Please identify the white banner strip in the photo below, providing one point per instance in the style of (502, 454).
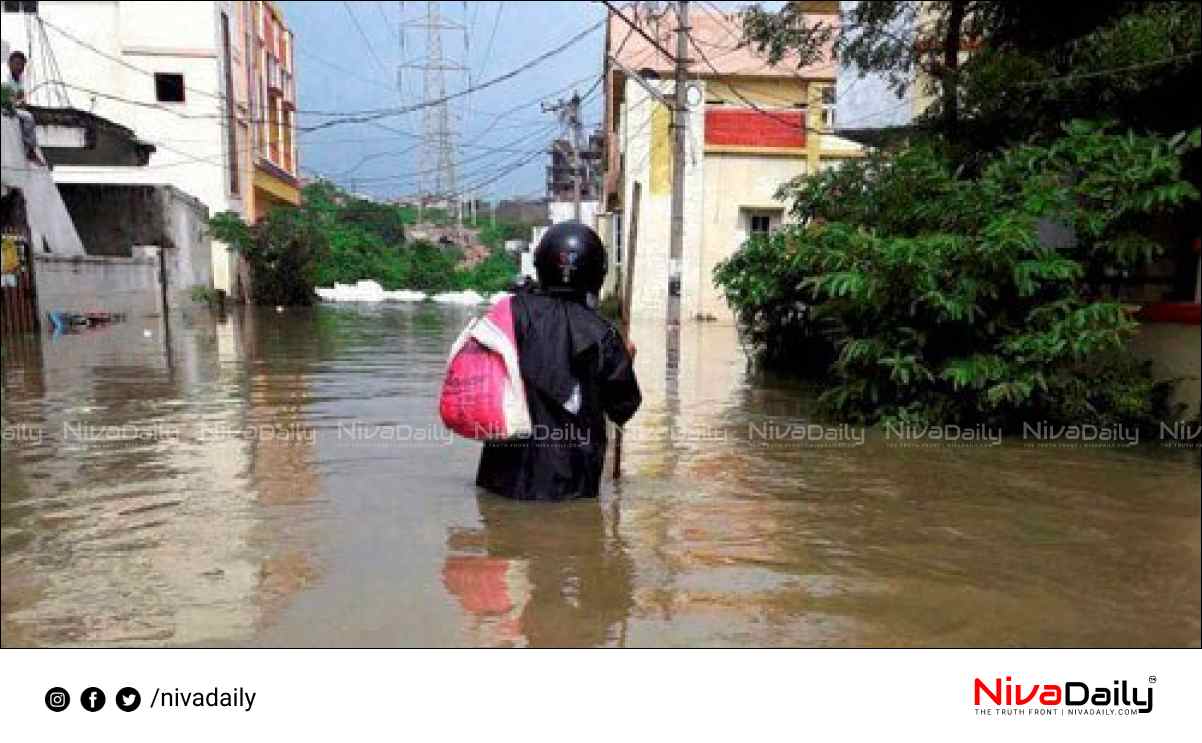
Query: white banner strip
(691, 695)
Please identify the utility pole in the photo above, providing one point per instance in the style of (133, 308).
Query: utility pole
(678, 107)
(679, 111)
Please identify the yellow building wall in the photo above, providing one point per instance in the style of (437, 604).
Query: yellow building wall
(661, 150)
(771, 93)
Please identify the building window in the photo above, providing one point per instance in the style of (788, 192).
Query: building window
(21, 7)
(169, 87)
(828, 108)
(761, 225)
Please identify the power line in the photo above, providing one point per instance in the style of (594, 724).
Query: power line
(638, 29)
(792, 125)
(370, 49)
(300, 142)
(487, 172)
(385, 18)
(497, 116)
(496, 21)
(353, 117)
(1111, 71)
(312, 112)
(354, 75)
(504, 149)
(376, 156)
(739, 94)
(385, 113)
(122, 62)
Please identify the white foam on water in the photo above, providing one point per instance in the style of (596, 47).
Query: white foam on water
(366, 290)
(463, 297)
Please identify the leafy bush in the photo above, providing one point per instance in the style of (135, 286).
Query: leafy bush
(282, 251)
(335, 238)
(430, 269)
(942, 299)
(493, 274)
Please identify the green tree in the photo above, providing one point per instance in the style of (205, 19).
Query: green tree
(939, 296)
(1032, 66)
(493, 274)
(333, 237)
(283, 251)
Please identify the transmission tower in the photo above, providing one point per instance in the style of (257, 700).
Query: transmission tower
(437, 177)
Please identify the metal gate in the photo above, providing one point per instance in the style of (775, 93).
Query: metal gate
(18, 295)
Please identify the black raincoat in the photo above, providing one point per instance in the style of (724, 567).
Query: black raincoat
(571, 360)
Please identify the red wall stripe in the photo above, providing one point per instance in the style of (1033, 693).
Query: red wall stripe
(1182, 313)
(748, 127)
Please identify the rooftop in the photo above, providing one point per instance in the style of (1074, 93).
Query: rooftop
(717, 34)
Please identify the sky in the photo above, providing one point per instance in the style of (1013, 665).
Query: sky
(347, 54)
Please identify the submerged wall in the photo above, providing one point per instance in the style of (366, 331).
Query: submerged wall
(127, 220)
(82, 284)
(185, 237)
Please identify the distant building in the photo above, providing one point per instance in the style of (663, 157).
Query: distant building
(522, 210)
(561, 182)
(751, 127)
(209, 84)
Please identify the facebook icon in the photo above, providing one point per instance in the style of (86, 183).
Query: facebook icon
(92, 699)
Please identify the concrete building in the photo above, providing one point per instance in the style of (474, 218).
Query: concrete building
(209, 84)
(751, 127)
(82, 248)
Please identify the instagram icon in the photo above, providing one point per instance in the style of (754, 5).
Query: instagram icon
(57, 699)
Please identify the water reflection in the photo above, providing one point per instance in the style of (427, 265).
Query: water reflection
(140, 513)
(321, 534)
(554, 576)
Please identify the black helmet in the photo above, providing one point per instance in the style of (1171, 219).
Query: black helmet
(570, 257)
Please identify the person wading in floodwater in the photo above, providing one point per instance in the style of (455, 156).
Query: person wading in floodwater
(577, 370)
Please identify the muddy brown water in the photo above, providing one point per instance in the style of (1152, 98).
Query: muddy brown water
(271, 479)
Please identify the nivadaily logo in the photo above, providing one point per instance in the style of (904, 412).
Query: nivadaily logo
(1066, 698)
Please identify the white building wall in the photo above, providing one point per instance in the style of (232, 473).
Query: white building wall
(565, 211)
(171, 37)
(652, 267)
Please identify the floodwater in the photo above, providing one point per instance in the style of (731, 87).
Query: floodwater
(282, 480)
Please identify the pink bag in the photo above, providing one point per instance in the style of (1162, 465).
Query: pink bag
(483, 396)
